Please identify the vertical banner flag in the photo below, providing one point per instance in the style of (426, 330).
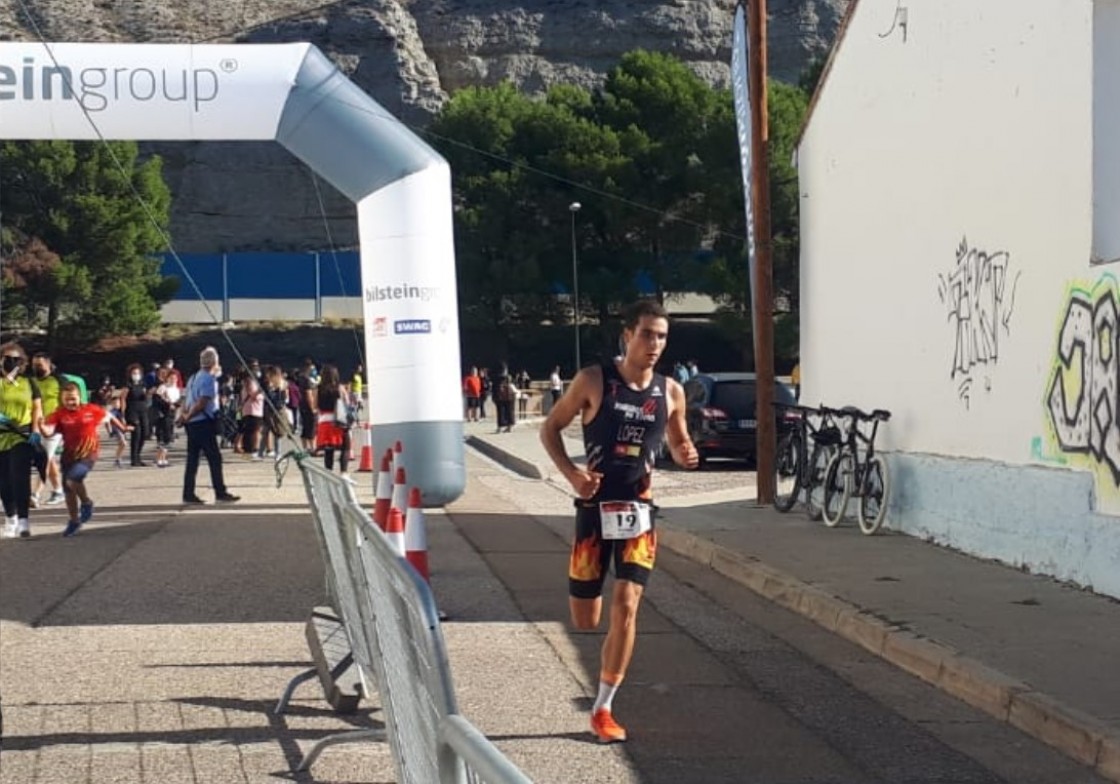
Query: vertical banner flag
(740, 91)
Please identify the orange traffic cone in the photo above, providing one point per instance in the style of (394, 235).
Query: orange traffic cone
(384, 493)
(365, 465)
(394, 531)
(416, 535)
(400, 492)
(398, 460)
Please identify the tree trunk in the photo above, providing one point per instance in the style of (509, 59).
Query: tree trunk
(52, 328)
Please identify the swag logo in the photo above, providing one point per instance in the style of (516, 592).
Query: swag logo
(412, 327)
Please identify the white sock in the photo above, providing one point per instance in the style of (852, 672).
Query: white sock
(606, 695)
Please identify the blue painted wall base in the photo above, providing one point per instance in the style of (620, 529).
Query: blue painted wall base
(1033, 517)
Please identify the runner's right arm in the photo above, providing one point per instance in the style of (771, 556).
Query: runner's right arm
(564, 411)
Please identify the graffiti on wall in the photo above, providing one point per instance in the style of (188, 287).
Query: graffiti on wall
(979, 295)
(1081, 395)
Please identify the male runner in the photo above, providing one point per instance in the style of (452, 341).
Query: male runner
(626, 410)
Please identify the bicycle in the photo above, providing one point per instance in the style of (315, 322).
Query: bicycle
(793, 472)
(867, 475)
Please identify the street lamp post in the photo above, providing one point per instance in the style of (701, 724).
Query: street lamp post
(573, 208)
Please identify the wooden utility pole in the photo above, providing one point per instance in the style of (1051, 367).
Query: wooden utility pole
(763, 270)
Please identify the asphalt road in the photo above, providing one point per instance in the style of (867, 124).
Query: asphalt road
(728, 687)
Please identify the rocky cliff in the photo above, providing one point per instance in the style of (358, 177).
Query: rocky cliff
(409, 55)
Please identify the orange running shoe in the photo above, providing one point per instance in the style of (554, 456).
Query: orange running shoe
(606, 729)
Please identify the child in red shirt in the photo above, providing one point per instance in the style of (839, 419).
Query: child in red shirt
(78, 423)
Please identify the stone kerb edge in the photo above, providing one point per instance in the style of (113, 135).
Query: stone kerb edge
(502, 457)
(1108, 759)
(1075, 734)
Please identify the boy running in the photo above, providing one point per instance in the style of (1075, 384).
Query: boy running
(78, 423)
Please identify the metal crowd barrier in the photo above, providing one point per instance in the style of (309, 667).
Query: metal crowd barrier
(391, 622)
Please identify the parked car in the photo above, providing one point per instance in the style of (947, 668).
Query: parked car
(722, 416)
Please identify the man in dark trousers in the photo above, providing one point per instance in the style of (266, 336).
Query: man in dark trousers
(200, 417)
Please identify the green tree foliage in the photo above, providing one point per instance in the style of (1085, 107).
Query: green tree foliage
(672, 124)
(811, 75)
(79, 228)
(727, 277)
(512, 223)
(653, 159)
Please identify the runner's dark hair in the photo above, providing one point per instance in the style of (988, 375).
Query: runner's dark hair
(643, 307)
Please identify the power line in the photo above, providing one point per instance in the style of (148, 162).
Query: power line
(334, 255)
(148, 212)
(663, 214)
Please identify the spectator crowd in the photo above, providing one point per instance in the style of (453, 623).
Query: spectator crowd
(51, 425)
(509, 393)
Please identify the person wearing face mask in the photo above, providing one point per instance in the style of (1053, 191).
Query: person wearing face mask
(175, 388)
(200, 417)
(21, 413)
(136, 398)
(46, 462)
(173, 374)
(252, 410)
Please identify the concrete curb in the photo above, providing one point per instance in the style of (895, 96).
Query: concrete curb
(1084, 738)
(502, 457)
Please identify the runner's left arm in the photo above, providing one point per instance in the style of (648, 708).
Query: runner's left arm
(680, 444)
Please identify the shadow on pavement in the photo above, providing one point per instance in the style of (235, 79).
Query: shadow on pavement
(282, 664)
(245, 567)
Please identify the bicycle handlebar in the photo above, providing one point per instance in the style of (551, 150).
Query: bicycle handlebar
(879, 414)
(795, 407)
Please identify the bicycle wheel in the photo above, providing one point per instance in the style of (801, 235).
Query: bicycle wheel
(814, 479)
(874, 494)
(787, 472)
(837, 487)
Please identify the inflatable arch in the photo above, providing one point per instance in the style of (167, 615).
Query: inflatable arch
(293, 94)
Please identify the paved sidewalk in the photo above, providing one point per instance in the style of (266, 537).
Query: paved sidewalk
(152, 647)
(1038, 654)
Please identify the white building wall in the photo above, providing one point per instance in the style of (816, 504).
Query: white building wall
(271, 309)
(947, 223)
(1106, 136)
(341, 308)
(185, 311)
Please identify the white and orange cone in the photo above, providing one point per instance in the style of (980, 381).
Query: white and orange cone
(365, 465)
(394, 531)
(384, 494)
(398, 460)
(400, 491)
(416, 535)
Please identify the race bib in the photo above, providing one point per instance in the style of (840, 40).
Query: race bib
(624, 519)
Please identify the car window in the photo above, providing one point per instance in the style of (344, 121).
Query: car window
(736, 398)
(784, 395)
(695, 393)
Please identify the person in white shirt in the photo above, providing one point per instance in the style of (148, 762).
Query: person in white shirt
(555, 384)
